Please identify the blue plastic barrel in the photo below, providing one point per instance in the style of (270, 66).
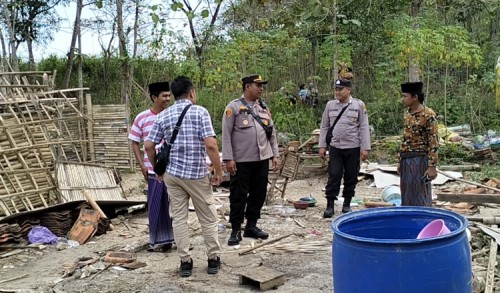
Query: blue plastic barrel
(376, 250)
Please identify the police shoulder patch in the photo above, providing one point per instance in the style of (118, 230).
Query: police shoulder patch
(229, 112)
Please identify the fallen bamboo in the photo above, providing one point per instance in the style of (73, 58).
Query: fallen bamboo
(42, 86)
(485, 220)
(469, 182)
(265, 243)
(492, 261)
(298, 223)
(377, 204)
(461, 168)
(14, 278)
(26, 73)
(96, 207)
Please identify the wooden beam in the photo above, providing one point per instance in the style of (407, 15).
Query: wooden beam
(467, 197)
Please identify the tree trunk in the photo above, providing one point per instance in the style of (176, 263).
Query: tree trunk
(106, 52)
(3, 59)
(334, 66)
(10, 22)
(29, 43)
(134, 50)
(314, 51)
(71, 54)
(123, 51)
(413, 72)
(200, 43)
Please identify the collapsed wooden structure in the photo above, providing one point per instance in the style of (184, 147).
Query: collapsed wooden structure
(41, 126)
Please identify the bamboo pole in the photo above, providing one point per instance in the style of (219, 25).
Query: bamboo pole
(42, 86)
(469, 182)
(26, 73)
(62, 142)
(29, 101)
(63, 91)
(96, 207)
(90, 125)
(27, 192)
(265, 243)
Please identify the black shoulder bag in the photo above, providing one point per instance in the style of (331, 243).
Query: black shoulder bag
(329, 134)
(163, 157)
(267, 128)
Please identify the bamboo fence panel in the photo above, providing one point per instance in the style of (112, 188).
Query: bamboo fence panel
(100, 182)
(38, 126)
(110, 136)
(42, 127)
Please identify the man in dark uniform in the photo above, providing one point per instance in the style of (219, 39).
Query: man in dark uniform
(350, 142)
(248, 143)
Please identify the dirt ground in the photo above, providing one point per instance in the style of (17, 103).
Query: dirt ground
(305, 258)
(308, 270)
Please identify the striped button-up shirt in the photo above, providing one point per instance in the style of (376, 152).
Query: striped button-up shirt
(188, 153)
(140, 130)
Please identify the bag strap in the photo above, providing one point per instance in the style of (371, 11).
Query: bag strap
(178, 125)
(338, 117)
(255, 116)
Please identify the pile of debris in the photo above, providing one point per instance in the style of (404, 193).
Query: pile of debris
(489, 192)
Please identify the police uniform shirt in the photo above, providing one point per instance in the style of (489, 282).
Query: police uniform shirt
(352, 129)
(243, 138)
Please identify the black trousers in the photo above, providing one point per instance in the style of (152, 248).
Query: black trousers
(343, 162)
(248, 189)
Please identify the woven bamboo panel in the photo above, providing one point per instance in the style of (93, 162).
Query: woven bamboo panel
(100, 182)
(34, 133)
(110, 136)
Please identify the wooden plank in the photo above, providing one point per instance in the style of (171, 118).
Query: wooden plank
(85, 226)
(263, 277)
(464, 197)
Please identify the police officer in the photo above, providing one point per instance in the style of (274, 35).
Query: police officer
(248, 143)
(350, 142)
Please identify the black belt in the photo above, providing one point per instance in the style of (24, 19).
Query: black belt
(407, 155)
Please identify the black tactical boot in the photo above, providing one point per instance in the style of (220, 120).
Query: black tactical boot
(346, 207)
(329, 208)
(251, 230)
(235, 237)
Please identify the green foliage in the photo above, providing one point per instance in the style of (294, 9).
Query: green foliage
(295, 119)
(450, 154)
(343, 49)
(416, 38)
(291, 42)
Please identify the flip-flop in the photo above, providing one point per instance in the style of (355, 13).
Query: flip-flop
(160, 247)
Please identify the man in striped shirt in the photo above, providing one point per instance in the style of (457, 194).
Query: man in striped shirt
(161, 235)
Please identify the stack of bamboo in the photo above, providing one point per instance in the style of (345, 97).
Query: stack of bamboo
(110, 136)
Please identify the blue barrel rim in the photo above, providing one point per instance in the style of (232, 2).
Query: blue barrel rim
(375, 211)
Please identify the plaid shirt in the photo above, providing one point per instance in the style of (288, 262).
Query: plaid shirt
(188, 153)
